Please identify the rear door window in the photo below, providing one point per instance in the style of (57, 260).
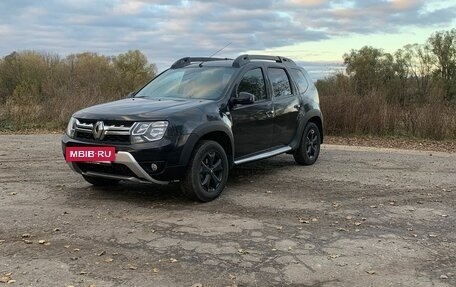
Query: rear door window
(280, 82)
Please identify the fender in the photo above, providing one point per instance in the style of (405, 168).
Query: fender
(306, 116)
(201, 131)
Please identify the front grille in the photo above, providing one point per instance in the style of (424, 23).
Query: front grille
(113, 131)
(113, 168)
(83, 136)
(117, 138)
(126, 124)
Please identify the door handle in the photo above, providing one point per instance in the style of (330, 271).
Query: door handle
(269, 114)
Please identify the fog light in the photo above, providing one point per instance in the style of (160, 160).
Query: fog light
(154, 167)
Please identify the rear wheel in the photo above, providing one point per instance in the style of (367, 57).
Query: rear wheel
(309, 149)
(207, 173)
(100, 181)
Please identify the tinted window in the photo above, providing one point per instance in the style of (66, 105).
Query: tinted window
(280, 82)
(300, 80)
(253, 82)
(188, 83)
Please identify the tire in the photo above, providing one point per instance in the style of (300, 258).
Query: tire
(100, 181)
(207, 172)
(309, 148)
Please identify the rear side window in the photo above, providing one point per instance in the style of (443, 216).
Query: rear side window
(300, 80)
(253, 82)
(280, 82)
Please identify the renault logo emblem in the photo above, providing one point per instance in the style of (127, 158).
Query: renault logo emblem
(98, 131)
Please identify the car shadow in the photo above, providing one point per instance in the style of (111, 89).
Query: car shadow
(171, 193)
(256, 170)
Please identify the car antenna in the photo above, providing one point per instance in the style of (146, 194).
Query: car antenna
(218, 51)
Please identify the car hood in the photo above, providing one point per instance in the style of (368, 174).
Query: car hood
(137, 109)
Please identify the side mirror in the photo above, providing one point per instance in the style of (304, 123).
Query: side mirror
(244, 98)
(131, 94)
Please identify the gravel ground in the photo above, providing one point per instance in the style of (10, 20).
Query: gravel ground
(359, 217)
(398, 143)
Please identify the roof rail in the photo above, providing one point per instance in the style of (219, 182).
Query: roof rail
(244, 59)
(188, 60)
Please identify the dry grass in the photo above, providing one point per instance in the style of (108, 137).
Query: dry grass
(372, 114)
(394, 142)
(52, 113)
(42, 91)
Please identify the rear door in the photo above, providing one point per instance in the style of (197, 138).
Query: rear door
(252, 124)
(286, 105)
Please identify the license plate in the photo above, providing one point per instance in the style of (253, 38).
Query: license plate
(91, 154)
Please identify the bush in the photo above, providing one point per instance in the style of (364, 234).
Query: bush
(40, 90)
(345, 113)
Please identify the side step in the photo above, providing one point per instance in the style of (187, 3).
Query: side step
(263, 155)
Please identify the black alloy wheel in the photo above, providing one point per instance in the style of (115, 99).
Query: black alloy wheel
(211, 171)
(312, 144)
(207, 172)
(309, 148)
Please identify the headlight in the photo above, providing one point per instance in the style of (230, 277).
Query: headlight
(70, 127)
(148, 131)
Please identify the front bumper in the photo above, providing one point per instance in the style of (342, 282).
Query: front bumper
(133, 161)
(126, 159)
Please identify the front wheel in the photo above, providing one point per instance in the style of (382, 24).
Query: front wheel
(309, 149)
(207, 172)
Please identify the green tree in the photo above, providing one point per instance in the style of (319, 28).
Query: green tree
(370, 69)
(9, 77)
(133, 70)
(91, 72)
(15, 68)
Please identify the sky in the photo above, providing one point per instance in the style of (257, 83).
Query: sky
(315, 33)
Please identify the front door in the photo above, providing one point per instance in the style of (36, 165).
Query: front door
(252, 124)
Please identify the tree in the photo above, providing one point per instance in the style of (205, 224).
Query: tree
(91, 72)
(26, 67)
(402, 72)
(133, 70)
(443, 46)
(8, 76)
(370, 68)
(420, 63)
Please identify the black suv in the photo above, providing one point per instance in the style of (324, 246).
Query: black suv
(199, 118)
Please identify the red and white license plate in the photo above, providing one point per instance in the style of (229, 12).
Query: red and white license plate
(90, 154)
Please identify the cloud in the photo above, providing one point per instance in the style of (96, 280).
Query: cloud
(401, 5)
(308, 3)
(369, 17)
(166, 30)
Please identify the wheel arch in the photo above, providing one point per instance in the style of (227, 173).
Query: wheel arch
(224, 140)
(313, 116)
(319, 122)
(216, 132)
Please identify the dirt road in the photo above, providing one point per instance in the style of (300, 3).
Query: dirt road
(359, 217)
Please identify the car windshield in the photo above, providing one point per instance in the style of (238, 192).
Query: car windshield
(188, 83)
